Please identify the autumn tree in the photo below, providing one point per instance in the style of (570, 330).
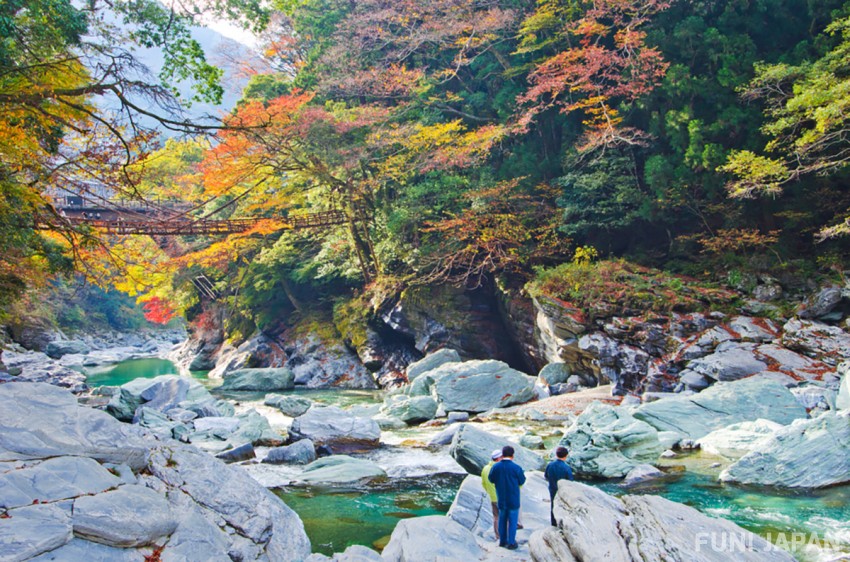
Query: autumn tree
(77, 109)
(602, 61)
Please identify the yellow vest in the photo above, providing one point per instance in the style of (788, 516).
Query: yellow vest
(489, 487)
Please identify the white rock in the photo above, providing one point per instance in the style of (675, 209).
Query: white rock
(337, 429)
(642, 473)
(608, 442)
(842, 402)
(721, 405)
(595, 526)
(79, 550)
(33, 530)
(54, 479)
(431, 539)
(128, 517)
(736, 440)
(809, 453)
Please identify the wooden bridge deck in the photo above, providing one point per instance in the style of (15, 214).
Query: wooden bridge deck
(112, 222)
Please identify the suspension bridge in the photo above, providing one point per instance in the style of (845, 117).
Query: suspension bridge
(145, 218)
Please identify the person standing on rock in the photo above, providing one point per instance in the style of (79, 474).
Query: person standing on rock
(490, 488)
(508, 477)
(557, 470)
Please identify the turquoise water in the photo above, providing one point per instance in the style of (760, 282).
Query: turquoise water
(821, 517)
(336, 518)
(125, 371)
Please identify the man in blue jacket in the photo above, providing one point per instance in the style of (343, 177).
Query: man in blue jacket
(556, 470)
(508, 477)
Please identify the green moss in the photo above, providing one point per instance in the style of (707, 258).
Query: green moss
(621, 288)
(351, 318)
(317, 324)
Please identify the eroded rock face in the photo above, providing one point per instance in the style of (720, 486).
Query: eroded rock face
(260, 350)
(722, 405)
(337, 429)
(829, 344)
(443, 316)
(607, 442)
(595, 526)
(319, 364)
(809, 453)
(118, 485)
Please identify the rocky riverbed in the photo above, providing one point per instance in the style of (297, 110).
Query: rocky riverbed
(751, 404)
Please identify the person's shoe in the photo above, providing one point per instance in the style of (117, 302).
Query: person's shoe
(520, 527)
(512, 546)
(503, 545)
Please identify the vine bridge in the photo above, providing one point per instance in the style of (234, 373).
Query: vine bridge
(145, 218)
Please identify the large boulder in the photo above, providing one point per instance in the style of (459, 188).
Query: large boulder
(821, 304)
(478, 386)
(829, 344)
(39, 421)
(57, 349)
(261, 380)
(161, 393)
(127, 517)
(607, 442)
(431, 539)
(736, 440)
(721, 405)
(340, 469)
(809, 453)
(595, 526)
(471, 448)
(410, 409)
(289, 405)
(432, 361)
(730, 362)
(554, 373)
(118, 484)
(300, 452)
(337, 429)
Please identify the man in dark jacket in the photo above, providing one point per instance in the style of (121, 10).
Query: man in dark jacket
(556, 470)
(508, 477)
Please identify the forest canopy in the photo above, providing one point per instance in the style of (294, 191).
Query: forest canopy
(460, 140)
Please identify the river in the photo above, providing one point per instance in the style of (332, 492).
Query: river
(813, 524)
